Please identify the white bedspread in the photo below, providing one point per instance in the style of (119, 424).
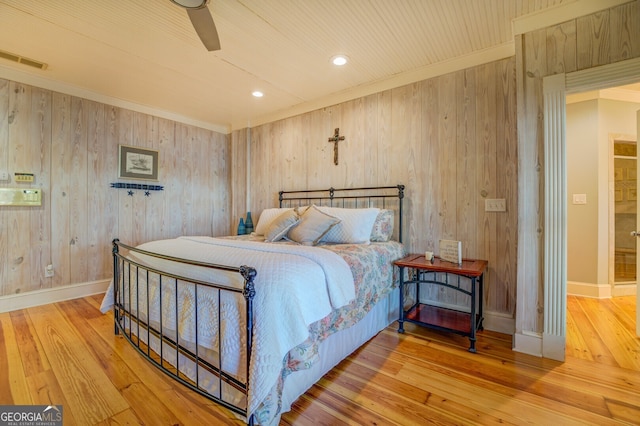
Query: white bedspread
(295, 286)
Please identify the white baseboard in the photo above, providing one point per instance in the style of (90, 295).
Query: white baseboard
(553, 347)
(15, 302)
(547, 346)
(528, 343)
(625, 289)
(499, 322)
(598, 291)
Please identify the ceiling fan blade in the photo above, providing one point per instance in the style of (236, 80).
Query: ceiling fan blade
(205, 28)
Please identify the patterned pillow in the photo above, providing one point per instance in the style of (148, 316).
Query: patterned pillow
(383, 226)
(279, 226)
(354, 227)
(266, 217)
(313, 225)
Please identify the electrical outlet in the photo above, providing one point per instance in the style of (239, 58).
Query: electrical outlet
(48, 271)
(495, 205)
(4, 176)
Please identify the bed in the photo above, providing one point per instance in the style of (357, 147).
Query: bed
(253, 321)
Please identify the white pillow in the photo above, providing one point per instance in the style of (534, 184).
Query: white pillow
(279, 226)
(313, 225)
(355, 225)
(265, 218)
(301, 209)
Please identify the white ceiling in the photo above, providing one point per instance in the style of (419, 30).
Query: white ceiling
(145, 52)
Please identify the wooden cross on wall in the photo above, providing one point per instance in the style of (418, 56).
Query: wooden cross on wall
(335, 139)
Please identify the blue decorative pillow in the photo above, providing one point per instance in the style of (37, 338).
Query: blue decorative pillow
(313, 225)
(281, 225)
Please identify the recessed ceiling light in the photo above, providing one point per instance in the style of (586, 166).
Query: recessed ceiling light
(257, 94)
(339, 60)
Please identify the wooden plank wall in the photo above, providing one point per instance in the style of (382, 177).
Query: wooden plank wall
(606, 37)
(238, 167)
(71, 145)
(451, 140)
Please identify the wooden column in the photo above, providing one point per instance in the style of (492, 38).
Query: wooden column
(555, 218)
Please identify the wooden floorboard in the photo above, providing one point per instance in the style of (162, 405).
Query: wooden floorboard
(66, 353)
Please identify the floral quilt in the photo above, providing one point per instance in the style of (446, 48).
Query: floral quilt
(373, 273)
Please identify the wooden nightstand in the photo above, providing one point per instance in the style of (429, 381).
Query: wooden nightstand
(445, 274)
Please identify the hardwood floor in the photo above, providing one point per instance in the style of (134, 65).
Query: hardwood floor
(66, 353)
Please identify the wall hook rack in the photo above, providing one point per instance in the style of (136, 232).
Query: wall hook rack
(131, 186)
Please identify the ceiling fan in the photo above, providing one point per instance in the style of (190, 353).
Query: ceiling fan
(202, 22)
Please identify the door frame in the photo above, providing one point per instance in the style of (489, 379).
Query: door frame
(613, 138)
(555, 89)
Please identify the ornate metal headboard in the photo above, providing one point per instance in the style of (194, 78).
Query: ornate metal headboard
(384, 197)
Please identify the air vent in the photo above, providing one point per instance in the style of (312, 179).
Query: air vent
(22, 60)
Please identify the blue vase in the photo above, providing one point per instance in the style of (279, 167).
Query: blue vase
(241, 227)
(248, 224)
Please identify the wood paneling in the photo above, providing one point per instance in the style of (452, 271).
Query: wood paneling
(78, 193)
(60, 190)
(625, 32)
(593, 43)
(28, 137)
(504, 285)
(239, 184)
(451, 140)
(561, 44)
(100, 161)
(4, 164)
(71, 145)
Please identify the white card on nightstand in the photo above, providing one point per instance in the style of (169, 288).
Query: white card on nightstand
(451, 251)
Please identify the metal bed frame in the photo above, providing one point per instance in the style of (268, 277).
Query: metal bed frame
(378, 196)
(133, 326)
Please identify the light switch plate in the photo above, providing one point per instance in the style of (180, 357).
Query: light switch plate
(4, 176)
(579, 198)
(495, 205)
(20, 197)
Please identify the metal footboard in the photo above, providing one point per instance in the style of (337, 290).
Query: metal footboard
(168, 349)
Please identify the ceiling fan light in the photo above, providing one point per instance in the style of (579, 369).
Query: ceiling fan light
(191, 4)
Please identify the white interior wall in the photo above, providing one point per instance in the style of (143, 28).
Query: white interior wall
(582, 178)
(589, 124)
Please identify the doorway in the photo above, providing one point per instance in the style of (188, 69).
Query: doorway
(555, 89)
(602, 191)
